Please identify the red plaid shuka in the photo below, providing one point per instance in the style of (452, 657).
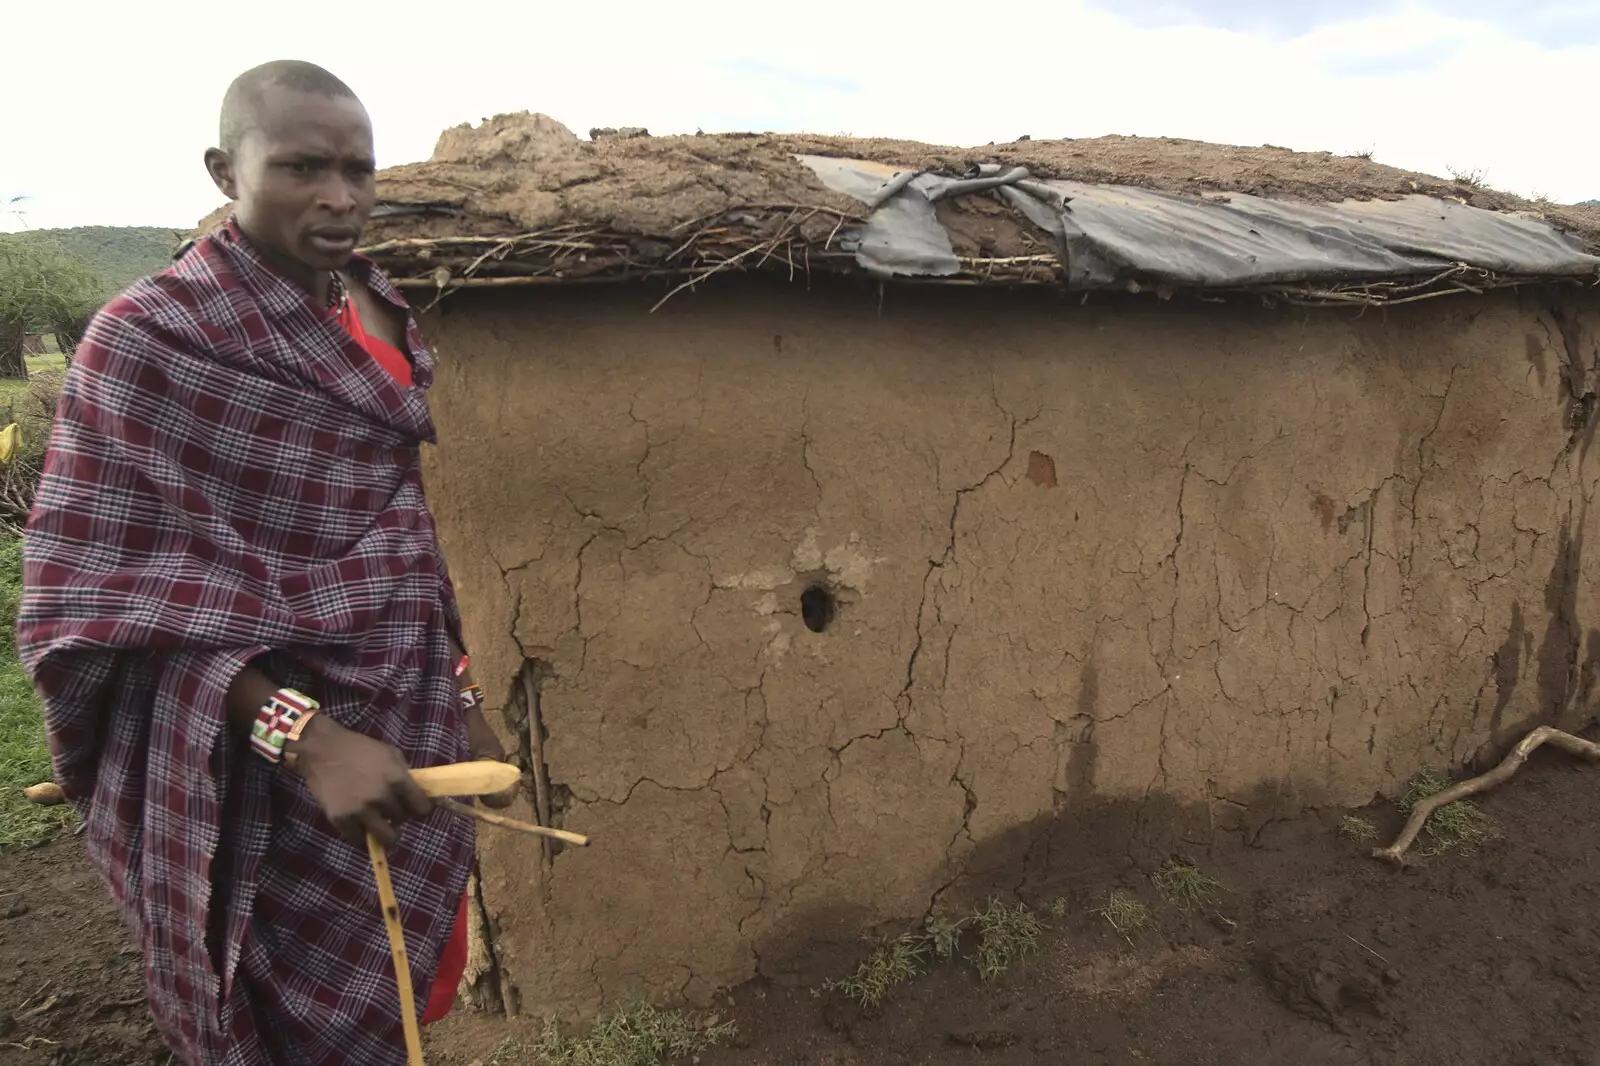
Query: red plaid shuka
(232, 478)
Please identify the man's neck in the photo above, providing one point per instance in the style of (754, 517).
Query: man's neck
(319, 283)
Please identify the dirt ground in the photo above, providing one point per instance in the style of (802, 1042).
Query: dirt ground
(1315, 955)
(71, 982)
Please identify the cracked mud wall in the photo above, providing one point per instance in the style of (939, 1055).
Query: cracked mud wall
(1081, 556)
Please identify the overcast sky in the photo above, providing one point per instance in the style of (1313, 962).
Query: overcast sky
(120, 99)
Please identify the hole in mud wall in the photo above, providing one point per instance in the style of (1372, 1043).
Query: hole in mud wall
(818, 608)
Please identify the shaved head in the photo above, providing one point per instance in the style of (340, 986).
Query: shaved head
(296, 158)
(243, 102)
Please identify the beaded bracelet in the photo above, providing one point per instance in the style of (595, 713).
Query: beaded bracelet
(281, 720)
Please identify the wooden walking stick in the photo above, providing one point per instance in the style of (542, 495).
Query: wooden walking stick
(478, 778)
(397, 949)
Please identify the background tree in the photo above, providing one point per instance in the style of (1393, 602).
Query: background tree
(43, 290)
(118, 255)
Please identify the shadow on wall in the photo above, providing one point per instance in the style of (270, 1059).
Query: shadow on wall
(1065, 855)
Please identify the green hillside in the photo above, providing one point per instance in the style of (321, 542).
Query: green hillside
(118, 255)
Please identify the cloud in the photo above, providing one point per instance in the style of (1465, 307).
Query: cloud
(772, 76)
(1379, 59)
(117, 136)
(1275, 19)
(1548, 23)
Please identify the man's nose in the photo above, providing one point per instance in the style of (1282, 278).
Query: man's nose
(338, 195)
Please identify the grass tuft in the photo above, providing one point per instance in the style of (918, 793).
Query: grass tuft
(1184, 884)
(1127, 915)
(511, 1051)
(1460, 826)
(1470, 179)
(24, 756)
(1356, 828)
(892, 964)
(634, 1033)
(1007, 934)
(945, 936)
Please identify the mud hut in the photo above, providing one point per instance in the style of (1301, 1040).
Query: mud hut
(835, 520)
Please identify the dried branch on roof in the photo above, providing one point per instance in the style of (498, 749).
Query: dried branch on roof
(749, 238)
(542, 207)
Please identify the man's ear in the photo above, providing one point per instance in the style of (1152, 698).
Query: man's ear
(220, 166)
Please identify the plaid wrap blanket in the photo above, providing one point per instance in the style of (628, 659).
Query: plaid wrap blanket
(232, 479)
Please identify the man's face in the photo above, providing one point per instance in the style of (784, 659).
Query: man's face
(302, 178)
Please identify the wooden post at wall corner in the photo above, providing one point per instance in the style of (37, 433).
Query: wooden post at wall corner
(534, 724)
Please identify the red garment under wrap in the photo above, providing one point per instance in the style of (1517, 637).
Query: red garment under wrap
(233, 479)
(453, 959)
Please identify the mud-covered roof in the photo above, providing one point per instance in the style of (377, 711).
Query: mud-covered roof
(521, 200)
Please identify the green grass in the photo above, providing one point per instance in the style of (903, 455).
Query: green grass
(510, 1052)
(55, 364)
(24, 758)
(1185, 885)
(1356, 828)
(1127, 915)
(32, 403)
(1006, 935)
(1459, 826)
(24, 755)
(632, 1034)
(945, 936)
(891, 964)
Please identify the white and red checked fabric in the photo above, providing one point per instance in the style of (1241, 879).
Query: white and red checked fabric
(233, 479)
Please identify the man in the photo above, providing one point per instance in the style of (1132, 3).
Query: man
(236, 611)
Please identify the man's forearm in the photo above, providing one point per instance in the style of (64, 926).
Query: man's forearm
(250, 691)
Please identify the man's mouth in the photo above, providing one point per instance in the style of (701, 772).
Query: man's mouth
(338, 240)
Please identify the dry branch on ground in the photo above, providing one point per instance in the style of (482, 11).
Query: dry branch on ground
(1568, 743)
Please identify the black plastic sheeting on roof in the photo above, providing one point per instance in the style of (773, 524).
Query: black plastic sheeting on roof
(1109, 235)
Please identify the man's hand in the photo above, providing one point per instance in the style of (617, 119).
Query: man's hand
(483, 744)
(363, 785)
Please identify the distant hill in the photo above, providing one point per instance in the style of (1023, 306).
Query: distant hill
(1589, 203)
(118, 255)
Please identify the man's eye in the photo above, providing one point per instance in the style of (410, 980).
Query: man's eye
(302, 169)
